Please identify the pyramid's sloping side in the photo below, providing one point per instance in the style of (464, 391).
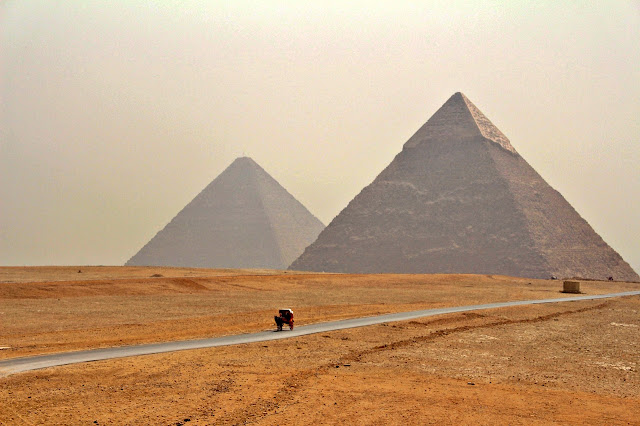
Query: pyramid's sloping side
(230, 224)
(457, 201)
(437, 208)
(292, 225)
(568, 243)
(225, 226)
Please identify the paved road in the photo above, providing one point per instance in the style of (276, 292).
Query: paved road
(16, 365)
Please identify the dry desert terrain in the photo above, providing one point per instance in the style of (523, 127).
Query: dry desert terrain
(570, 362)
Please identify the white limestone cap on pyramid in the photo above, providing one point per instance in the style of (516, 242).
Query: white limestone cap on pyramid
(459, 117)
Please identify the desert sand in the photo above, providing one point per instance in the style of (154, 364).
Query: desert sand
(574, 362)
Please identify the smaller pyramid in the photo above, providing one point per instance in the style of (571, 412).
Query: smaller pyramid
(243, 219)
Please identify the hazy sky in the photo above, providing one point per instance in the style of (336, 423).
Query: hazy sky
(114, 115)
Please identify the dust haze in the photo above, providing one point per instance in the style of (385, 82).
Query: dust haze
(114, 115)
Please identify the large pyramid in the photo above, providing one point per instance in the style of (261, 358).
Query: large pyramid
(243, 219)
(460, 199)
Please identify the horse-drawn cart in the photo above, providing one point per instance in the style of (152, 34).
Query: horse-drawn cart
(285, 316)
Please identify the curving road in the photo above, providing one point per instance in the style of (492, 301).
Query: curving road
(16, 365)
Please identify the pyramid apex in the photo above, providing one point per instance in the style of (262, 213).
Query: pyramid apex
(459, 117)
(244, 158)
(244, 161)
(457, 96)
